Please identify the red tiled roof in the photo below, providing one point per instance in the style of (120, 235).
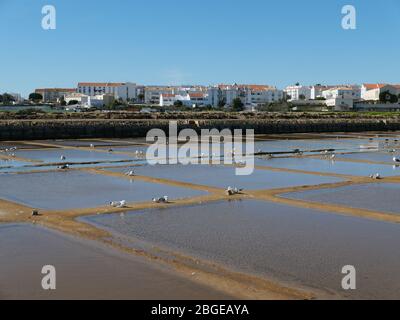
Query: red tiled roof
(196, 95)
(371, 86)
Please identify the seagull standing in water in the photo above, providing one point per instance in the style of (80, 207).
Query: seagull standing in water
(130, 173)
(395, 159)
(63, 158)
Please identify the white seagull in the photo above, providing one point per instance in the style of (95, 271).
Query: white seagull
(118, 204)
(130, 173)
(161, 200)
(232, 191)
(375, 176)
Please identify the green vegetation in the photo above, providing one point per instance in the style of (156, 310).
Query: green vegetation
(35, 97)
(387, 97)
(29, 112)
(117, 105)
(178, 104)
(6, 99)
(237, 105)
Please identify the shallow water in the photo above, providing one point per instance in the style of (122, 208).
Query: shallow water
(328, 166)
(223, 176)
(130, 149)
(12, 163)
(382, 197)
(297, 245)
(71, 155)
(6, 145)
(84, 270)
(85, 143)
(75, 189)
(303, 145)
(29, 167)
(370, 156)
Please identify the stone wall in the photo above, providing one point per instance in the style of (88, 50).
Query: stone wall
(72, 129)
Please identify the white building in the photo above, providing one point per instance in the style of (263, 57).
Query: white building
(342, 92)
(342, 98)
(257, 95)
(316, 91)
(298, 92)
(191, 99)
(152, 94)
(167, 99)
(97, 101)
(124, 91)
(214, 96)
(249, 94)
(340, 104)
(54, 94)
(74, 97)
(197, 99)
(371, 92)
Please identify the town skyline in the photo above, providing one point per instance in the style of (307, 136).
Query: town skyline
(194, 85)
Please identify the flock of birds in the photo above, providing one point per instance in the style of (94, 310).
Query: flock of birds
(10, 152)
(230, 191)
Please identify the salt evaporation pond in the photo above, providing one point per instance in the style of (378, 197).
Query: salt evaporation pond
(295, 245)
(71, 155)
(76, 189)
(85, 143)
(223, 176)
(85, 270)
(328, 166)
(370, 156)
(383, 197)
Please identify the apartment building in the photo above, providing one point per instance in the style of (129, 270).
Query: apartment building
(250, 94)
(52, 95)
(152, 94)
(298, 92)
(371, 92)
(126, 91)
(342, 98)
(190, 99)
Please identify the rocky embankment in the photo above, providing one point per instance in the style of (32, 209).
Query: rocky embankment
(125, 124)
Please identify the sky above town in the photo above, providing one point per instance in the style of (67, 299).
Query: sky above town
(197, 42)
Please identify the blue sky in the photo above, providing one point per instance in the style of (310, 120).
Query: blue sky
(197, 42)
